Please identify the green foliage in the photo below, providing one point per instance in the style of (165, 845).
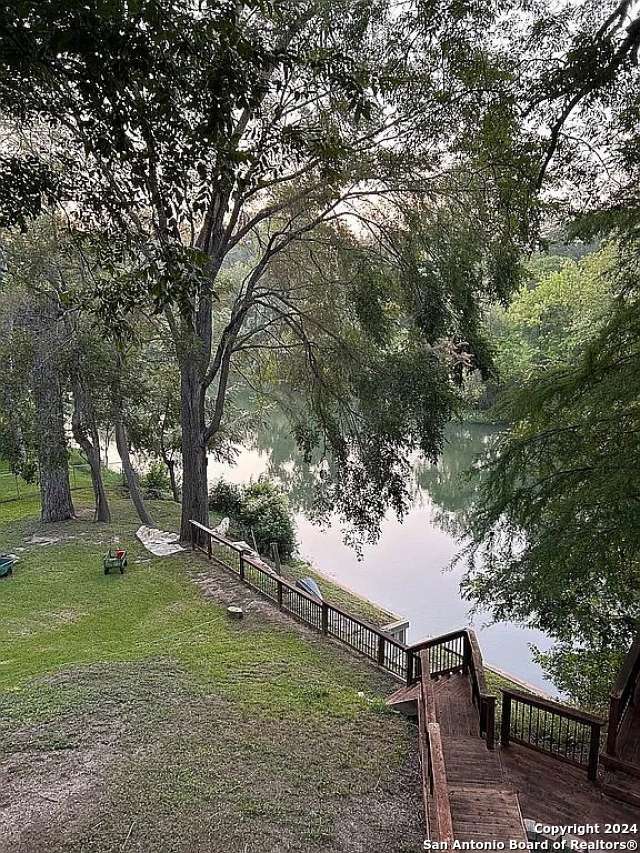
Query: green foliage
(584, 673)
(258, 509)
(556, 538)
(266, 512)
(552, 316)
(155, 483)
(225, 498)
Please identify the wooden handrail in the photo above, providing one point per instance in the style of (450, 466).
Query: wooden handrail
(443, 822)
(586, 732)
(436, 641)
(550, 705)
(622, 695)
(435, 788)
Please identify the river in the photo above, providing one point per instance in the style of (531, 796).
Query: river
(408, 570)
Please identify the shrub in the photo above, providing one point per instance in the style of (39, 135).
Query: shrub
(260, 508)
(225, 498)
(265, 510)
(155, 483)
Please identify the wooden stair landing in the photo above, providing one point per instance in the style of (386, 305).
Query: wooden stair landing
(484, 807)
(486, 814)
(405, 700)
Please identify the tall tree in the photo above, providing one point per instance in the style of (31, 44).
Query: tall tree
(35, 382)
(554, 537)
(47, 373)
(84, 425)
(182, 130)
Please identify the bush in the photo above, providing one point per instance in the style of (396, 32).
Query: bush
(260, 508)
(155, 483)
(225, 498)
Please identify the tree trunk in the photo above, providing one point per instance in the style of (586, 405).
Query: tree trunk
(53, 460)
(171, 468)
(122, 443)
(195, 493)
(86, 434)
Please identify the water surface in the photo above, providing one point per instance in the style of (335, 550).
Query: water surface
(408, 570)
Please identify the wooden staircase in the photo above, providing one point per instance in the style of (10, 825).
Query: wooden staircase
(466, 796)
(621, 761)
(548, 765)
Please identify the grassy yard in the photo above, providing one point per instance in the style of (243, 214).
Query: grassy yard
(134, 716)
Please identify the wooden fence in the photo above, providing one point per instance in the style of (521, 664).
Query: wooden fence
(566, 734)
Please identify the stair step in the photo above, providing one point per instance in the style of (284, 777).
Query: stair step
(623, 794)
(405, 700)
(618, 765)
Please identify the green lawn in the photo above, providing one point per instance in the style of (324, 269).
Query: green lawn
(14, 488)
(135, 716)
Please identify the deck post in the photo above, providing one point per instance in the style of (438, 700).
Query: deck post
(489, 703)
(466, 653)
(409, 658)
(612, 731)
(594, 751)
(209, 548)
(381, 642)
(505, 726)
(325, 617)
(241, 565)
(193, 538)
(280, 594)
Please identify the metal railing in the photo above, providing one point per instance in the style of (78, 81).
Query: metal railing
(564, 733)
(459, 652)
(327, 618)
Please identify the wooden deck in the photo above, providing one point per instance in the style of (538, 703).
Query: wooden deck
(484, 806)
(559, 794)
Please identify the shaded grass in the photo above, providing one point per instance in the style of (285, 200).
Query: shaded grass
(14, 488)
(63, 611)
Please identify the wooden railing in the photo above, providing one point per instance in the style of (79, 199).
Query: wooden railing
(459, 652)
(327, 618)
(449, 653)
(435, 789)
(623, 696)
(549, 727)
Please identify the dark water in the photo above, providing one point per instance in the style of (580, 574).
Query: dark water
(408, 570)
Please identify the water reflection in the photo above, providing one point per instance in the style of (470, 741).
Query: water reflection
(407, 571)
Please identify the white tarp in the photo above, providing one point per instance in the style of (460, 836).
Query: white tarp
(159, 542)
